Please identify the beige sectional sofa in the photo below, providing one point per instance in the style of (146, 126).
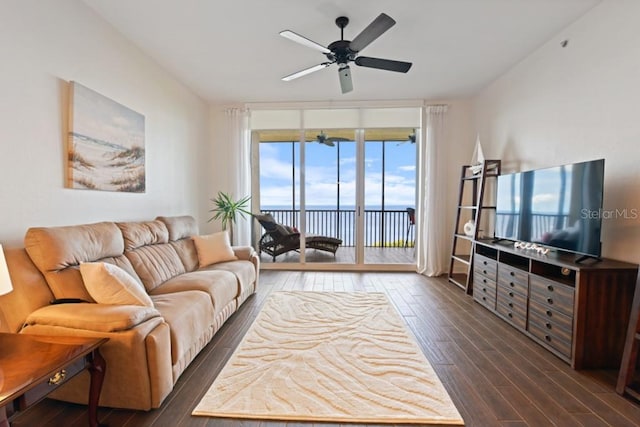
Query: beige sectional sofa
(148, 347)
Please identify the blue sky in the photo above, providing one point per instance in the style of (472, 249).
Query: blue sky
(321, 174)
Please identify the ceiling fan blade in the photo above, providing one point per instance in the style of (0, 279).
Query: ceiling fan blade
(327, 142)
(337, 139)
(303, 41)
(346, 84)
(379, 25)
(383, 64)
(306, 71)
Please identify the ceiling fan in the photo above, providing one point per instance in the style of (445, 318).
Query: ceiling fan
(323, 138)
(342, 51)
(410, 138)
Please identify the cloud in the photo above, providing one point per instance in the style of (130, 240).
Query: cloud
(321, 180)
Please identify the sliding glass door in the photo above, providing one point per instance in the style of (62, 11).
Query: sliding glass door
(330, 195)
(348, 194)
(390, 196)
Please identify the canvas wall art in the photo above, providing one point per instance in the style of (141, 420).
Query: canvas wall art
(106, 147)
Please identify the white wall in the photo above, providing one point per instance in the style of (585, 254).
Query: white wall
(458, 150)
(563, 105)
(45, 44)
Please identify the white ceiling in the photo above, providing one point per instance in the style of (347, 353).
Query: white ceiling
(230, 51)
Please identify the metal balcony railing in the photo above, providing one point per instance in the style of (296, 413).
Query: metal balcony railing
(382, 228)
(508, 222)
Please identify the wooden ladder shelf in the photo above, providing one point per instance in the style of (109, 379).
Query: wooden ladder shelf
(628, 379)
(471, 204)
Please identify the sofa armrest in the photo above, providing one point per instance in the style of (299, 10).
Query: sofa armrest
(244, 252)
(93, 317)
(249, 254)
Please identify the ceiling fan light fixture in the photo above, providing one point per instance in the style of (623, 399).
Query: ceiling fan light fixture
(346, 83)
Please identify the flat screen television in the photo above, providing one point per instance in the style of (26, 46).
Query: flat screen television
(557, 207)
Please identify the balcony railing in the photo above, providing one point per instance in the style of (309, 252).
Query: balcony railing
(386, 229)
(507, 223)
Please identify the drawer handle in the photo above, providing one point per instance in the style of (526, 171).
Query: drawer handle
(484, 289)
(511, 294)
(548, 325)
(484, 262)
(550, 300)
(547, 337)
(511, 305)
(512, 273)
(550, 288)
(484, 271)
(549, 313)
(511, 284)
(58, 377)
(484, 298)
(484, 280)
(509, 314)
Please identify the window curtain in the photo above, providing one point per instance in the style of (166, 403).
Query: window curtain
(238, 136)
(431, 241)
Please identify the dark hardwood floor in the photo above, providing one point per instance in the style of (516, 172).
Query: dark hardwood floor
(495, 375)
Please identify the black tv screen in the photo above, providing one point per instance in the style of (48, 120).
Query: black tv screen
(558, 207)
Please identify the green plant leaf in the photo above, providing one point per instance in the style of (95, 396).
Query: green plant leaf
(226, 209)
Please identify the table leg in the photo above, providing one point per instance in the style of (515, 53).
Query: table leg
(97, 368)
(4, 422)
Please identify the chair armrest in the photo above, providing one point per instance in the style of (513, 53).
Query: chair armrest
(93, 317)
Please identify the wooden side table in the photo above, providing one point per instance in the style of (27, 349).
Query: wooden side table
(32, 366)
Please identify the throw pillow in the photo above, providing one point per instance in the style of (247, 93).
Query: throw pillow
(283, 229)
(109, 284)
(213, 248)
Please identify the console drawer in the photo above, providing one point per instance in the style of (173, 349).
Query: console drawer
(514, 278)
(482, 281)
(485, 266)
(513, 315)
(512, 301)
(552, 294)
(553, 338)
(484, 291)
(550, 314)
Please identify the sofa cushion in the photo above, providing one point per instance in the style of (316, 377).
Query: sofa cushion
(109, 284)
(221, 286)
(179, 227)
(243, 271)
(266, 220)
(30, 291)
(190, 319)
(187, 252)
(153, 258)
(213, 248)
(138, 234)
(58, 251)
(92, 317)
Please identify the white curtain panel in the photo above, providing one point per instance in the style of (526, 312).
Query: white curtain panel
(431, 241)
(239, 138)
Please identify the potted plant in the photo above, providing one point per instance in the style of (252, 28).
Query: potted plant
(226, 210)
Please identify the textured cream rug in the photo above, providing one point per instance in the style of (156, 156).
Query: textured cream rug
(329, 356)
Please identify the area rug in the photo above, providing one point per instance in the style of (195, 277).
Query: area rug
(329, 357)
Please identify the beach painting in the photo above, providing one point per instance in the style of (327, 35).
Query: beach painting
(106, 144)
